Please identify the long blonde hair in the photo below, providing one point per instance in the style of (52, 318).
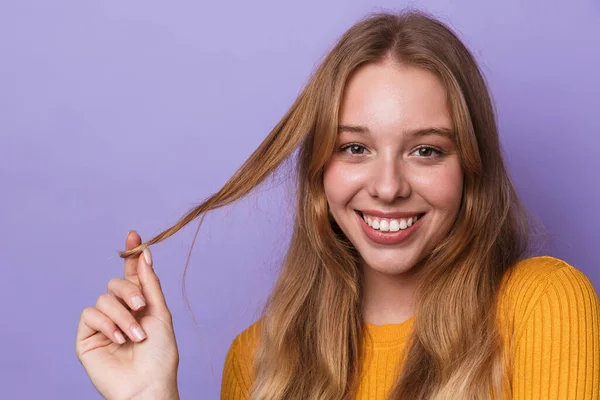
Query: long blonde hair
(312, 330)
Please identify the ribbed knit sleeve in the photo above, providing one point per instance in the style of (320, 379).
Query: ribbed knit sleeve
(557, 353)
(232, 383)
(238, 373)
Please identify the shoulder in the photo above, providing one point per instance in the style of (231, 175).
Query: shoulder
(238, 370)
(530, 278)
(549, 285)
(552, 331)
(534, 270)
(243, 347)
(245, 343)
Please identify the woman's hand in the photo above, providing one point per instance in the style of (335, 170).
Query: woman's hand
(128, 349)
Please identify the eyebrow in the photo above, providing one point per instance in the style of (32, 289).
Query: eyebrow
(363, 130)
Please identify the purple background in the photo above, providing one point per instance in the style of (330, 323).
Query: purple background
(117, 115)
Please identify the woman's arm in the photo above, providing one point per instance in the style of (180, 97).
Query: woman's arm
(238, 373)
(557, 353)
(234, 384)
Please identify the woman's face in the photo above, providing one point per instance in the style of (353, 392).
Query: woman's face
(394, 160)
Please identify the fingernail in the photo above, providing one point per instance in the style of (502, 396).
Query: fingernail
(120, 338)
(147, 256)
(129, 233)
(137, 332)
(137, 302)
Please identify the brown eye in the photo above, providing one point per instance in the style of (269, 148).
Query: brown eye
(428, 152)
(354, 148)
(425, 151)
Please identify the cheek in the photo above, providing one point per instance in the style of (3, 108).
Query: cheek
(340, 183)
(442, 188)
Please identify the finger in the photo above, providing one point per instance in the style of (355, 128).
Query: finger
(93, 321)
(133, 240)
(117, 312)
(155, 300)
(130, 293)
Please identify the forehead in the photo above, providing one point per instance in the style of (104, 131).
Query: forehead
(394, 96)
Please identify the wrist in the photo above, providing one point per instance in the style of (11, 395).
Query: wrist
(163, 392)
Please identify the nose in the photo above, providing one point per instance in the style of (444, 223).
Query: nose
(389, 180)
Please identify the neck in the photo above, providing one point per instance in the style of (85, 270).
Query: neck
(388, 298)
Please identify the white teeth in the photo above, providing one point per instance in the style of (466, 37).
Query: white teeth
(390, 225)
(384, 226)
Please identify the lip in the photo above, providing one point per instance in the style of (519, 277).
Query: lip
(388, 238)
(397, 214)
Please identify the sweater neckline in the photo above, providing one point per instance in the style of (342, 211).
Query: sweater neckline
(388, 334)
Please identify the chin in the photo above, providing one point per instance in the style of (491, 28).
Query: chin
(390, 265)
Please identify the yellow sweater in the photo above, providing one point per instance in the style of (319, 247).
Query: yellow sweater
(553, 318)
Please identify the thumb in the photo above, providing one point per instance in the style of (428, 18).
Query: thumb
(156, 304)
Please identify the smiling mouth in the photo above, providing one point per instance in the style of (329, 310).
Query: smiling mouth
(389, 224)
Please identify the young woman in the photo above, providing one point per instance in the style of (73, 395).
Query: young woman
(407, 275)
